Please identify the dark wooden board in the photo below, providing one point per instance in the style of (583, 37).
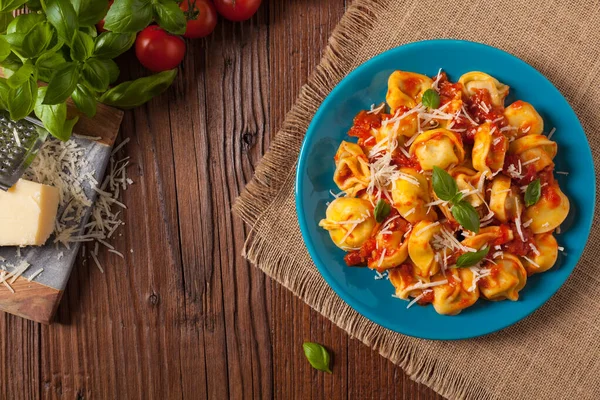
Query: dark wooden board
(184, 316)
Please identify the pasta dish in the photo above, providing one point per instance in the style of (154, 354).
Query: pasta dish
(448, 193)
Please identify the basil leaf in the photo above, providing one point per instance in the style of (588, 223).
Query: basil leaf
(82, 46)
(21, 76)
(112, 68)
(431, 99)
(37, 40)
(466, 216)
(96, 75)
(62, 84)
(90, 12)
(24, 22)
(47, 63)
(11, 5)
(84, 100)
(127, 16)
(170, 17)
(34, 5)
(317, 356)
(5, 19)
(11, 64)
(444, 185)
(533, 193)
(382, 210)
(21, 100)
(111, 45)
(4, 89)
(456, 198)
(4, 49)
(135, 93)
(54, 116)
(63, 17)
(471, 258)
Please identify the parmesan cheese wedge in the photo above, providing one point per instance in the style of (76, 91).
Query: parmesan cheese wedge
(27, 214)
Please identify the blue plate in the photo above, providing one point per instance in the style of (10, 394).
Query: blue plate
(368, 85)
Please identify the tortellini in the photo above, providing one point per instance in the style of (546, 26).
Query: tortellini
(474, 80)
(406, 89)
(489, 149)
(507, 278)
(550, 211)
(404, 279)
(525, 118)
(351, 169)
(438, 147)
(453, 297)
(504, 200)
(535, 149)
(488, 236)
(420, 250)
(349, 221)
(411, 194)
(393, 250)
(545, 254)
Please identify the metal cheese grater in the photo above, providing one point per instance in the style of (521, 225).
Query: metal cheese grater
(19, 144)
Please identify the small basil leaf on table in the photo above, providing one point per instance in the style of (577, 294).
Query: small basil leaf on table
(444, 185)
(533, 193)
(317, 356)
(54, 116)
(96, 75)
(63, 17)
(21, 76)
(90, 12)
(11, 5)
(111, 45)
(5, 19)
(62, 84)
(47, 63)
(431, 99)
(4, 49)
(471, 258)
(84, 100)
(466, 215)
(135, 93)
(37, 40)
(382, 210)
(127, 16)
(170, 17)
(21, 100)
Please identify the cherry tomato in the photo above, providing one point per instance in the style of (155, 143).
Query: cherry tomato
(201, 18)
(100, 25)
(158, 50)
(237, 10)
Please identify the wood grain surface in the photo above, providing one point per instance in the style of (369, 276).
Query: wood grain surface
(184, 316)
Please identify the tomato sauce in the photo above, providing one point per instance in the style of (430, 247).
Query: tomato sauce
(517, 246)
(481, 108)
(448, 91)
(364, 123)
(551, 196)
(359, 257)
(401, 161)
(505, 232)
(427, 298)
(406, 272)
(497, 151)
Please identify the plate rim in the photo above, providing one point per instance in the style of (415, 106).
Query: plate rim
(301, 214)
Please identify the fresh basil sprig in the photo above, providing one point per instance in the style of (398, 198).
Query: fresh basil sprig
(127, 16)
(317, 356)
(533, 193)
(382, 210)
(445, 188)
(431, 99)
(471, 258)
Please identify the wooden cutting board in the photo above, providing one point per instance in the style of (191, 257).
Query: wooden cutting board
(38, 300)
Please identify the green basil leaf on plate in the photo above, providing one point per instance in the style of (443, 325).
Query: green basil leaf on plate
(37, 40)
(533, 193)
(63, 17)
(82, 46)
(47, 63)
(54, 117)
(11, 5)
(20, 101)
(84, 100)
(62, 84)
(471, 258)
(466, 215)
(90, 12)
(96, 75)
(111, 45)
(382, 210)
(444, 185)
(21, 76)
(127, 16)
(317, 356)
(431, 99)
(170, 17)
(132, 94)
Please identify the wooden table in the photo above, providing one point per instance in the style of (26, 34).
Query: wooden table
(185, 316)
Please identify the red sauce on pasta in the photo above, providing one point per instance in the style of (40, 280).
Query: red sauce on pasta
(401, 161)
(517, 246)
(550, 194)
(364, 123)
(359, 257)
(427, 298)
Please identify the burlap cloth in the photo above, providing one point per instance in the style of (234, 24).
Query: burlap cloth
(552, 354)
